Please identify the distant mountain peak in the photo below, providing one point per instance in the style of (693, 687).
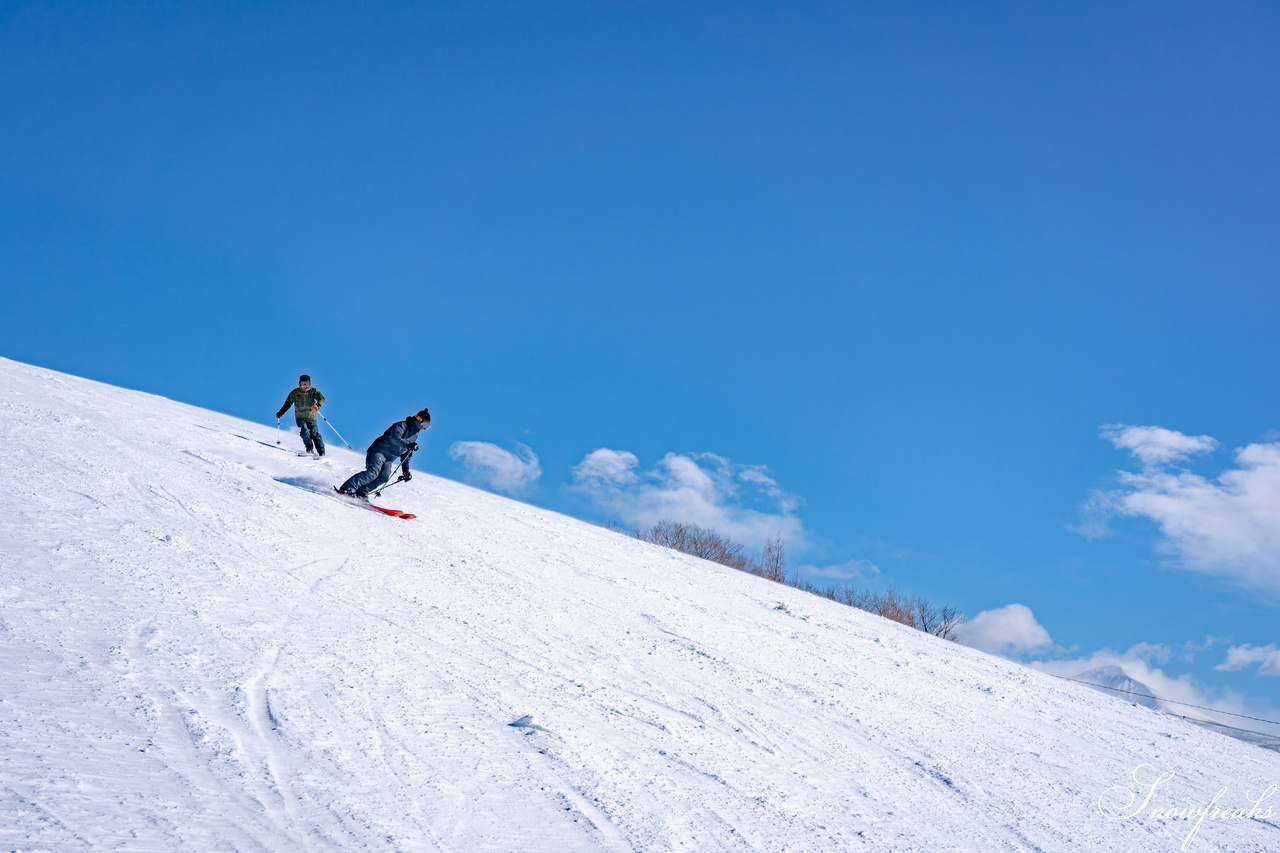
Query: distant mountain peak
(1116, 682)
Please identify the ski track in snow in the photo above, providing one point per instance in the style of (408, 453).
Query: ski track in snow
(202, 649)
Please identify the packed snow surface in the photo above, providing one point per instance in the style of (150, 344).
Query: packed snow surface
(202, 648)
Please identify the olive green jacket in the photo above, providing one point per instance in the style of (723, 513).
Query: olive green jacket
(302, 399)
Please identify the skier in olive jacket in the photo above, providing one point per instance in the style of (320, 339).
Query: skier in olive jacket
(306, 401)
(394, 446)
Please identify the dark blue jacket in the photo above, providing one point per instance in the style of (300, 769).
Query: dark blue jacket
(395, 441)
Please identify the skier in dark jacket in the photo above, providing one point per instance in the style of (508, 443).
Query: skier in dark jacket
(394, 446)
(306, 401)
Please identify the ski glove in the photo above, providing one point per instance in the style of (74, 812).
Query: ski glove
(413, 445)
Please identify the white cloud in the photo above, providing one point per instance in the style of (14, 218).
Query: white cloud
(512, 472)
(607, 467)
(1156, 446)
(859, 570)
(1240, 657)
(739, 501)
(1191, 648)
(1139, 663)
(1227, 526)
(1008, 630)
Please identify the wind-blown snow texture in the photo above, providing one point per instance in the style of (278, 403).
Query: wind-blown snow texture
(202, 650)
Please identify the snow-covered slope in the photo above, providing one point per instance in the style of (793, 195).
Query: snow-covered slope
(201, 650)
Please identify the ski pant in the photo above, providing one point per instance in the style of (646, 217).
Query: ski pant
(378, 469)
(309, 429)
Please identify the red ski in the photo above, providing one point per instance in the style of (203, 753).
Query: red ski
(382, 509)
(393, 512)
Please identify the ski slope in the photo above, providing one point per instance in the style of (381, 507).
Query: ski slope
(201, 649)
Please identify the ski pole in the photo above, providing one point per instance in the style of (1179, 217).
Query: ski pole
(378, 493)
(404, 460)
(277, 430)
(335, 429)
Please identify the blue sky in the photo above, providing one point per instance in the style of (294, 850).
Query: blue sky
(879, 275)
